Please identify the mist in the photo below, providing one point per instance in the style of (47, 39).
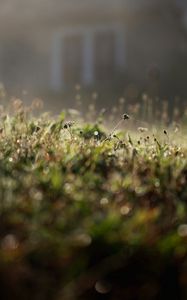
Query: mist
(130, 47)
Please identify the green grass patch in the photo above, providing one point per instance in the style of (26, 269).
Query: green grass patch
(87, 213)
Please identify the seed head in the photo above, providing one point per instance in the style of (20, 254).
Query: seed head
(142, 129)
(103, 111)
(116, 137)
(125, 117)
(68, 124)
(37, 128)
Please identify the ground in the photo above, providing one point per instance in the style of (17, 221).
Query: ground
(91, 210)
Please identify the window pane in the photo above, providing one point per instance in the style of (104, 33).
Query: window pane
(104, 56)
(72, 59)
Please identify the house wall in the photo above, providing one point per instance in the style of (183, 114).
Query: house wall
(146, 35)
(158, 41)
(25, 62)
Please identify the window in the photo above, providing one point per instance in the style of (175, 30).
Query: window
(104, 54)
(72, 59)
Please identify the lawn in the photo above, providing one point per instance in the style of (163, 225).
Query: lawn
(89, 210)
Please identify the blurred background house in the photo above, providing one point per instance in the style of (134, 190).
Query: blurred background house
(127, 46)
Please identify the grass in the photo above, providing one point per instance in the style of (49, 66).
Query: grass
(91, 213)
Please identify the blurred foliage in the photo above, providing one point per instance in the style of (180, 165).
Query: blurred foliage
(88, 213)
